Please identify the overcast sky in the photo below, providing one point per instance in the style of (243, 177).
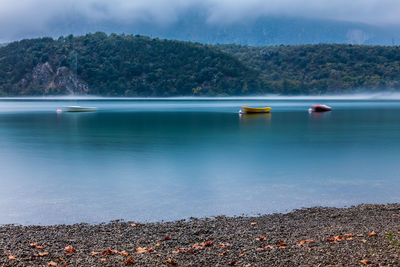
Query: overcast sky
(28, 18)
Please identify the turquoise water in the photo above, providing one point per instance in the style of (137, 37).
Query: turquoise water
(151, 160)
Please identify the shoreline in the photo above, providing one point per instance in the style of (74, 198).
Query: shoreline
(363, 234)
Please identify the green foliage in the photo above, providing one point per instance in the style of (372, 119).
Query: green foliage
(124, 65)
(324, 68)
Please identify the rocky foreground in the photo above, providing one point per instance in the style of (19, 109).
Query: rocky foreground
(361, 235)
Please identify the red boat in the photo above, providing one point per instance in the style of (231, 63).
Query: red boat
(321, 108)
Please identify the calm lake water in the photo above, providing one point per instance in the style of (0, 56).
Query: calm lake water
(151, 160)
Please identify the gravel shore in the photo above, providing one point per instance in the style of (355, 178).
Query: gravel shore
(360, 235)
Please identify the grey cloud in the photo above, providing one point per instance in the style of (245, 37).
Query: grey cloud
(28, 18)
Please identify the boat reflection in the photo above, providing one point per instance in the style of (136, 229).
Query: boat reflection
(255, 117)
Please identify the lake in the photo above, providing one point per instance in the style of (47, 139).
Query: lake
(167, 159)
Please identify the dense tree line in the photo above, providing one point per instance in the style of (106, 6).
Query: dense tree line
(122, 65)
(323, 68)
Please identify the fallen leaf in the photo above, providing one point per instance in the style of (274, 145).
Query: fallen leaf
(282, 247)
(52, 263)
(63, 265)
(134, 224)
(338, 238)
(365, 261)
(241, 254)
(253, 223)
(108, 252)
(141, 250)
(60, 259)
(330, 239)
(262, 238)
(35, 245)
(372, 233)
(197, 246)
(167, 237)
(232, 263)
(11, 257)
(244, 249)
(350, 238)
(190, 251)
(222, 245)
(223, 253)
(94, 253)
(149, 250)
(265, 247)
(103, 259)
(130, 261)
(363, 240)
(175, 251)
(158, 244)
(395, 215)
(69, 249)
(172, 262)
(42, 254)
(207, 243)
(123, 253)
(360, 235)
(281, 243)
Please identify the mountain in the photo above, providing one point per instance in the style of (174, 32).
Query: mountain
(121, 65)
(322, 68)
(261, 31)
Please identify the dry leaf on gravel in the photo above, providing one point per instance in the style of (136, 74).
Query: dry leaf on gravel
(167, 237)
(42, 254)
(129, 261)
(52, 263)
(253, 223)
(372, 234)
(69, 249)
(262, 238)
(172, 262)
(365, 261)
(207, 244)
(93, 253)
(11, 257)
(141, 250)
(222, 245)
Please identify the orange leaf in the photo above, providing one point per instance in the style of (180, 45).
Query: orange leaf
(222, 245)
(158, 244)
(134, 224)
(281, 243)
(94, 253)
(109, 252)
(282, 247)
(365, 261)
(175, 251)
(372, 233)
(11, 257)
(197, 246)
(130, 261)
(103, 259)
(123, 253)
(253, 223)
(141, 250)
(262, 238)
(172, 262)
(241, 254)
(207, 244)
(223, 253)
(338, 238)
(42, 254)
(363, 240)
(69, 249)
(52, 263)
(350, 238)
(330, 239)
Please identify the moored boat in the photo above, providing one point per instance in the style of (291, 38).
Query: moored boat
(321, 108)
(256, 110)
(79, 109)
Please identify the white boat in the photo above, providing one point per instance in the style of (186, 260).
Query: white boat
(79, 109)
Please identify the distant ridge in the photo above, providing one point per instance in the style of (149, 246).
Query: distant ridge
(121, 65)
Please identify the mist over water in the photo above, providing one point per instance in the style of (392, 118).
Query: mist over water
(167, 159)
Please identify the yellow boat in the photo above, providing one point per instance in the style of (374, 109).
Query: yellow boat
(256, 110)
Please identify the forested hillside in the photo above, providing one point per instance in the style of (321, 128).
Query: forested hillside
(121, 65)
(324, 68)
